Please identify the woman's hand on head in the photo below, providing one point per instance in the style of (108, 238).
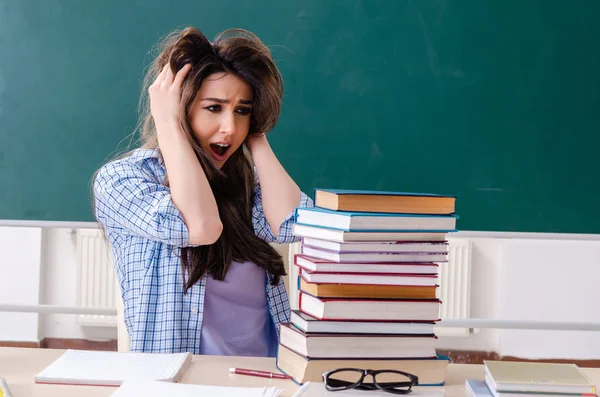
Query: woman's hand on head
(256, 139)
(165, 96)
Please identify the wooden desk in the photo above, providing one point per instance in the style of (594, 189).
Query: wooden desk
(20, 365)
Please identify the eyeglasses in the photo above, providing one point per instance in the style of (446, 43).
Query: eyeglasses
(391, 381)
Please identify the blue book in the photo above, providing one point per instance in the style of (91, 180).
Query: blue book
(390, 202)
(374, 221)
(477, 388)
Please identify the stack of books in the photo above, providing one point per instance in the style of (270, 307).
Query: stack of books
(367, 280)
(533, 379)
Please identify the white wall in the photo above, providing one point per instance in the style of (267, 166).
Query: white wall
(20, 282)
(553, 280)
(546, 278)
(530, 277)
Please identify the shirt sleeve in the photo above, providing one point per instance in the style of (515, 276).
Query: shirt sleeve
(261, 225)
(129, 201)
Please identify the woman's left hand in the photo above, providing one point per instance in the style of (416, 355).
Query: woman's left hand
(256, 140)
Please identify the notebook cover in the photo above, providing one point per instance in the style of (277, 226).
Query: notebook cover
(82, 367)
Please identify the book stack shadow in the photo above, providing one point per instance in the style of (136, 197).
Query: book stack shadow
(368, 285)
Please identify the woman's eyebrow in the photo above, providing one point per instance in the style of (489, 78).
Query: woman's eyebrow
(220, 100)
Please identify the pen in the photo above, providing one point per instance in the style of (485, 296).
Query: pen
(4, 390)
(255, 372)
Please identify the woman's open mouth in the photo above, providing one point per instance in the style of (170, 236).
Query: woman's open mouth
(219, 151)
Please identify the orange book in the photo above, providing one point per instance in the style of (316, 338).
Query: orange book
(391, 202)
(367, 291)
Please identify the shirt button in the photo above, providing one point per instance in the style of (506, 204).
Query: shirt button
(195, 310)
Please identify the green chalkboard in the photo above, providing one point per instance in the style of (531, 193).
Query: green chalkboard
(496, 101)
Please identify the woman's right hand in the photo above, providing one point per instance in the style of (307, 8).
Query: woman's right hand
(165, 96)
(190, 191)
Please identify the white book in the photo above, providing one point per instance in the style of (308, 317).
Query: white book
(376, 222)
(356, 346)
(370, 309)
(310, 324)
(323, 266)
(341, 235)
(532, 377)
(439, 247)
(161, 389)
(107, 368)
(389, 257)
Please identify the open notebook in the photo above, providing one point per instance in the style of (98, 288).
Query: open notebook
(162, 389)
(105, 368)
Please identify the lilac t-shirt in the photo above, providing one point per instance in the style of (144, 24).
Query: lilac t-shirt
(236, 319)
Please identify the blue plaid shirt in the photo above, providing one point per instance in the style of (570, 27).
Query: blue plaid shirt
(145, 231)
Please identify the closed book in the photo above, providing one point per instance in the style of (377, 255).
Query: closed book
(322, 265)
(533, 377)
(107, 368)
(394, 202)
(367, 291)
(325, 233)
(428, 280)
(477, 388)
(369, 309)
(329, 345)
(333, 256)
(303, 369)
(376, 222)
(309, 324)
(438, 247)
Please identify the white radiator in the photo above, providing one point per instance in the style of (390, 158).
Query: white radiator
(96, 279)
(455, 286)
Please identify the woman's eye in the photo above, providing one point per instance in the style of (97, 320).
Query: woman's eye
(213, 108)
(244, 111)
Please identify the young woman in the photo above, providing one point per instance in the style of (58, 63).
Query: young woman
(190, 214)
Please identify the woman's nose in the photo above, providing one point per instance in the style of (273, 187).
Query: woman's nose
(228, 123)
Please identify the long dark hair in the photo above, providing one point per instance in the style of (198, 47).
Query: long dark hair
(241, 53)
